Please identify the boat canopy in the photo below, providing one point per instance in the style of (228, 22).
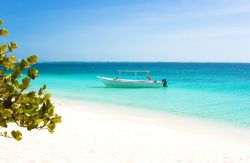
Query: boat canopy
(135, 72)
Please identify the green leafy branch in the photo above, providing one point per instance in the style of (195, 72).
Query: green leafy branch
(27, 109)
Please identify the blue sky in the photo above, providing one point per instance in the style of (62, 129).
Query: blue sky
(130, 30)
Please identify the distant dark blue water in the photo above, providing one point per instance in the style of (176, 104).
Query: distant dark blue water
(215, 91)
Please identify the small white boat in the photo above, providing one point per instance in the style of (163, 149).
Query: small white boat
(128, 83)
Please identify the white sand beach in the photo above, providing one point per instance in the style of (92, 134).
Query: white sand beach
(99, 133)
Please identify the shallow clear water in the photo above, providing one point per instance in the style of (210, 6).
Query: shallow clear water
(215, 91)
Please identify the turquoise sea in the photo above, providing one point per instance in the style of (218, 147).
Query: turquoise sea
(214, 91)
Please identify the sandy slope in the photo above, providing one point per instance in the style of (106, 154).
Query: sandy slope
(92, 132)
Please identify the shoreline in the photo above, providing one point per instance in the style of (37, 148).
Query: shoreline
(212, 120)
(164, 119)
(94, 132)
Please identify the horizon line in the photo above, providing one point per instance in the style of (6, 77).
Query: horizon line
(218, 62)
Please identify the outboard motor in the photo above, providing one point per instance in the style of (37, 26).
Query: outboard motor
(164, 82)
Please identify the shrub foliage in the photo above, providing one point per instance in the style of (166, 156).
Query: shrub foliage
(26, 108)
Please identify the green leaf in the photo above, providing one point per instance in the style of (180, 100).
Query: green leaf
(1, 22)
(16, 135)
(26, 81)
(44, 87)
(57, 119)
(3, 48)
(8, 78)
(31, 94)
(24, 64)
(22, 87)
(47, 96)
(33, 73)
(51, 126)
(13, 45)
(5, 133)
(38, 121)
(3, 124)
(12, 58)
(40, 92)
(7, 113)
(9, 65)
(4, 32)
(32, 59)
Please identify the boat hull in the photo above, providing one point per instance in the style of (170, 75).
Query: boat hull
(122, 83)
